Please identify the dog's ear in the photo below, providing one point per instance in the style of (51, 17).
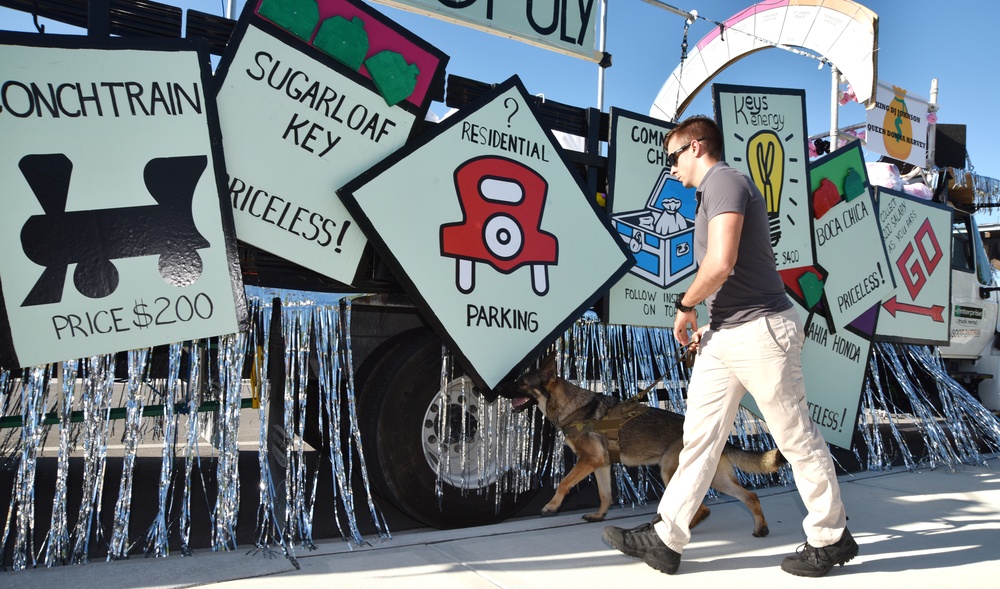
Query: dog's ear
(548, 369)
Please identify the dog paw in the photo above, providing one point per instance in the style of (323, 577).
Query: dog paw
(763, 531)
(549, 510)
(594, 517)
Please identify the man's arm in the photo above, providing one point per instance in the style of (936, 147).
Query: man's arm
(724, 231)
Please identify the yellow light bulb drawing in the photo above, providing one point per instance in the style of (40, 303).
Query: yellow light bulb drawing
(766, 160)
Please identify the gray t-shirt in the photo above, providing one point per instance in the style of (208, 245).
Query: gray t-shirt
(754, 288)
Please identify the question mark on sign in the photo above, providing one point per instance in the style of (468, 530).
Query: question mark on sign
(512, 101)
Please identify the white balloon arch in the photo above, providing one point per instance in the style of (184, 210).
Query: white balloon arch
(843, 32)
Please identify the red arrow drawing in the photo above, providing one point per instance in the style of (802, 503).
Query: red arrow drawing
(934, 312)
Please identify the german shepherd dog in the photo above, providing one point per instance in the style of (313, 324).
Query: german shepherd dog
(652, 437)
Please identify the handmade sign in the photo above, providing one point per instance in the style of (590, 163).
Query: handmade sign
(111, 176)
(805, 286)
(500, 244)
(653, 215)
(311, 93)
(849, 243)
(897, 125)
(764, 131)
(917, 237)
(567, 27)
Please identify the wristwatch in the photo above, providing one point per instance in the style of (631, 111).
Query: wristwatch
(681, 306)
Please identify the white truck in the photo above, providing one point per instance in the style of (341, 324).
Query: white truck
(973, 354)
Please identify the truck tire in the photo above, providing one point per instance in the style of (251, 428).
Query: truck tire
(397, 410)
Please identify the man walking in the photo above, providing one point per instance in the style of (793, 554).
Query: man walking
(753, 343)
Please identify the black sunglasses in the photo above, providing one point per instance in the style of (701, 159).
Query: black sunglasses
(672, 156)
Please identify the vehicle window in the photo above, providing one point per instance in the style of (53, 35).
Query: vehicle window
(984, 270)
(961, 249)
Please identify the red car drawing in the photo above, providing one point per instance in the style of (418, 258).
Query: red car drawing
(502, 202)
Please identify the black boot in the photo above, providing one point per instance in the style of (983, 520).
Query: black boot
(643, 542)
(810, 561)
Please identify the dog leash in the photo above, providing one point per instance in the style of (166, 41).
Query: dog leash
(682, 353)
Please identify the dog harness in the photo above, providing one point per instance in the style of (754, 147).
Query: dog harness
(611, 425)
(619, 415)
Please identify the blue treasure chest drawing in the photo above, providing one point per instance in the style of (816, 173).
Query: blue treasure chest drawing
(661, 235)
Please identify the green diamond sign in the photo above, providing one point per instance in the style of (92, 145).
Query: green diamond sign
(491, 232)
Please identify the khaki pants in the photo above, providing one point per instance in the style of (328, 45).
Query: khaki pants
(764, 357)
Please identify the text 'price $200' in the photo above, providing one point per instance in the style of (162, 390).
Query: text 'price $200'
(161, 311)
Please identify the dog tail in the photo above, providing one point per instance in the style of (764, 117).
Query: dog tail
(768, 462)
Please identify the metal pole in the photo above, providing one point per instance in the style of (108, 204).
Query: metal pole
(834, 103)
(99, 19)
(230, 8)
(691, 16)
(603, 47)
(932, 106)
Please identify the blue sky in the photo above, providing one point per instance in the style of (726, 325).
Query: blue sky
(955, 42)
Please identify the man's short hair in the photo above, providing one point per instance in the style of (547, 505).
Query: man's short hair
(698, 127)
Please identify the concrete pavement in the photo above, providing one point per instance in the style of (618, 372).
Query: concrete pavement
(932, 528)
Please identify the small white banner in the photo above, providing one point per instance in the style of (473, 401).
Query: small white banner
(897, 125)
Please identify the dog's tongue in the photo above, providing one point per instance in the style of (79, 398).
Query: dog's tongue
(520, 404)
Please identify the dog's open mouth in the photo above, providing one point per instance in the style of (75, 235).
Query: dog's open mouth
(519, 404)
(518, 400)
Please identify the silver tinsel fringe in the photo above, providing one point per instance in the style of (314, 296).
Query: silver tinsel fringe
(96, 398)
(315, 330)
(232, 350)
(952, 430)
(195, 395)
(157, 536)
(137, 367)
(350, 399)
(34, 391)
(57, 544)
(268, 527)
(334, 361)
(907, 389)
(986, 190)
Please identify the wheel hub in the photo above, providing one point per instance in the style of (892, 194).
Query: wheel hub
(452, 438)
